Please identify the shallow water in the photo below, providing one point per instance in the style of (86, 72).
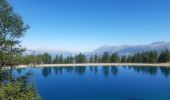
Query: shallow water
(101, 83)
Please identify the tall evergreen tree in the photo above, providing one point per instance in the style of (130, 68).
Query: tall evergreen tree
(56, 60)
(96, 58)
(123, 59)
(164, 56)
(80, 58)
(91, 59)
(114, 58)
(61, 59)
(153, 56)
(129, 58)
(106, 57)
(145, 57)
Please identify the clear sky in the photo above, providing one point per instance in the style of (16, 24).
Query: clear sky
(83, 25)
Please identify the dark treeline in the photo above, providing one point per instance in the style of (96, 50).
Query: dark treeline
(144, 57)
(148, 57)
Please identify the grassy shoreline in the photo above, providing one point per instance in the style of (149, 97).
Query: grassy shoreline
(101, 64)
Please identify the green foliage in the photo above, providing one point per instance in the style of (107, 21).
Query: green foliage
(80, 58)
(164, 56)
(91, 59)
(12, 28)
(106, 57)
(96, 58)
(123, 59)
(56, 60)
(60, 59)
(115, 58)
(129, 58)
(16, 88)
(153, 56)
(68, 60)
(46, 58)
(31, 60)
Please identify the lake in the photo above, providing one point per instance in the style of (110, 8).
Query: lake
(101, 82)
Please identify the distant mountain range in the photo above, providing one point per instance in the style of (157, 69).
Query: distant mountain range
(131, 49)
(121, 50)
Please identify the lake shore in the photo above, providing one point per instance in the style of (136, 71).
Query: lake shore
(100, 64)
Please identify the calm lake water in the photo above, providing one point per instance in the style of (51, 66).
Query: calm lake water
(101, 83)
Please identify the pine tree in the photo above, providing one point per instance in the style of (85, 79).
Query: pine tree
(56, 60)
(153, 56)
(164, 56)
(60, 59)
(115, 58)
(105, 57)
(123, 59)
(129, 58)
(91, 59)
(96, 58)
(80, 58)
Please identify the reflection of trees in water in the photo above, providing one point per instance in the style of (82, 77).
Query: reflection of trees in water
(152, 70)
(105, 70)
(110, 69)
(20, 70)
(46, 71)
(93, 69)
(80, 70)
(69, 69)
(165, 71)
(58, 70)
(146, 70)
(114, 70)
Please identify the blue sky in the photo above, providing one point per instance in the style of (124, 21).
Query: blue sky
(83, 25)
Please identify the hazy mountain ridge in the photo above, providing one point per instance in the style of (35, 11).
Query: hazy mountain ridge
(131, 49)
(121, 50)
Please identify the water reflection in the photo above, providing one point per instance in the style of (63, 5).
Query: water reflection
(80, 70)
(93, 69)
(46, 71)
(105, 70)
(165, 71)
(58, 70)
(114, 70)
(146, 70)
(20, 70)
(69, 69)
